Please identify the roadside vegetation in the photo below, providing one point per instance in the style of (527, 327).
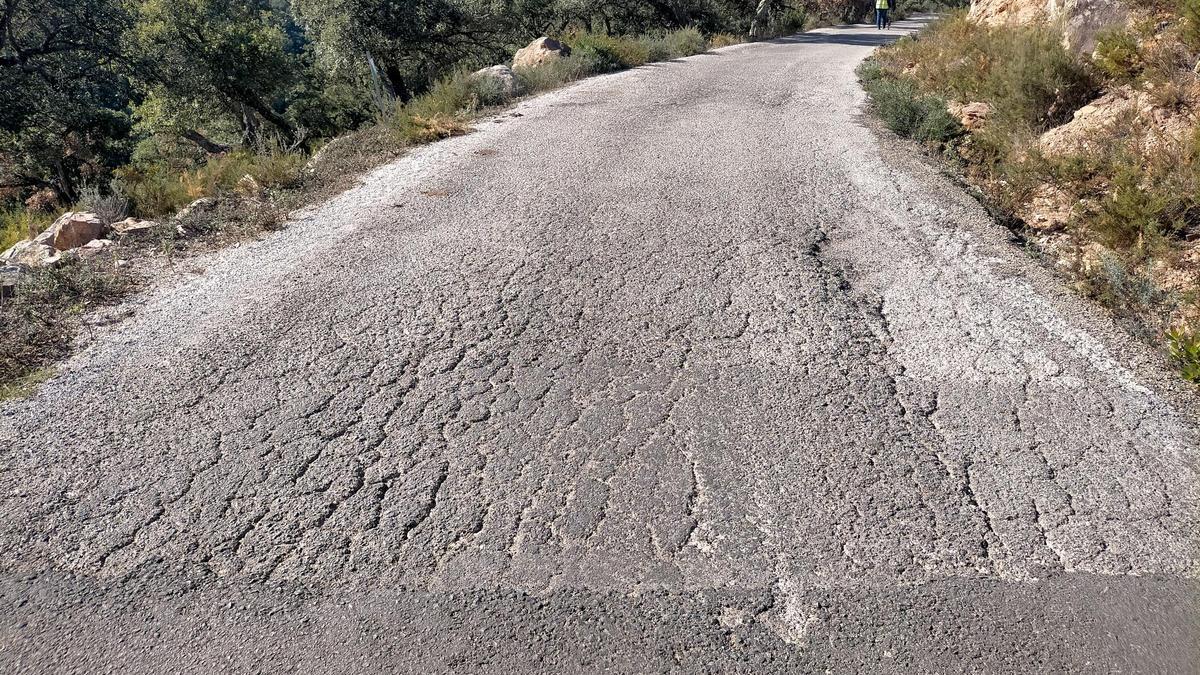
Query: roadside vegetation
(215, 118)
(1113, 193)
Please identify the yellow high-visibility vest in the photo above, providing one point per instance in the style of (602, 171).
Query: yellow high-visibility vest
(881, 4)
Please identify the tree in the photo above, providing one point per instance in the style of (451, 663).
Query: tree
(64, 114)
(412, 42)
(206, 60)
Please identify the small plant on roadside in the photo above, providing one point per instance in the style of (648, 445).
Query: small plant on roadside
(1184, 347)
(38, 323)
(906, 111)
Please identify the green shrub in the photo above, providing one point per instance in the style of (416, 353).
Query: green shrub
(791, 21)
(158, 189)
(1117, 55)
(906, 111)
(1024, 72)
(558, 72)
(607, 52)
(1184, 347)
(17, 223)
(1130, 216)
(1132, 294)
(1189, 12)
(685, 42)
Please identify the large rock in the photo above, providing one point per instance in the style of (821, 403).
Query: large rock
(9, 276)
(133, 227)
(1080, 20)
(502, 75)
(540, 52)
(1125, 112)
(93, 248)
(30, 253)
(973, 116)
(73, 230)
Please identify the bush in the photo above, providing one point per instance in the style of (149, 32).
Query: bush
(559, 72)
(1184, 347)
(157, 189)
(1189, 12)
(1117, 55)
(1132, 294)
(18, 223)
(1025, 73)
(791, 21)
(609, 53)
(685, 42)
(723, 40)
(906, 111)
(39, 322)
(1130, 216)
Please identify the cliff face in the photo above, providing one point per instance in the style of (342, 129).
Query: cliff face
(1081, 20)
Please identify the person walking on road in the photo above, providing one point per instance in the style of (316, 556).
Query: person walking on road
(881, 14)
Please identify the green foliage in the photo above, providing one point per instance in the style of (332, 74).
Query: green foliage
(18, 223)
(1128, 289)
(158, 189)
(1189, 12)
(684, 42)
(1184, 347)
(1130, 215)
(906, 110)
(62, 115)
(1117, 55)
(206, 60)
(1024, 73)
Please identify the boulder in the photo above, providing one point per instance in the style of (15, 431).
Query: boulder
(503, 75)
(133, 227)
(201, 205)
(973, 116)
(30, 253)
(9, 275)
(93, 248)
(540, 52)
(73, 230)
(1130, 114)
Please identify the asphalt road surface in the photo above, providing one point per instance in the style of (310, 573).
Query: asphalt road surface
(680, 369)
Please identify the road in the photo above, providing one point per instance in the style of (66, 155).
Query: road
(682, 369)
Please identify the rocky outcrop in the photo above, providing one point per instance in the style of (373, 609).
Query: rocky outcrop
(1130, 113)
(133, 227)
(30, 253)
(502, 75)
(540, 52)
(973, 116)
(1081, 20)
(73, 230)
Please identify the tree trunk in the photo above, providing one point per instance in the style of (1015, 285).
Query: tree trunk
(761, 18)
(204, 143)
(396, 80)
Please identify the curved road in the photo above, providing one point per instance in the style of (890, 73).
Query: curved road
(674, 369)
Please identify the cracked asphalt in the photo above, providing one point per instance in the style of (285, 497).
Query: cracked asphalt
(685, 368)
